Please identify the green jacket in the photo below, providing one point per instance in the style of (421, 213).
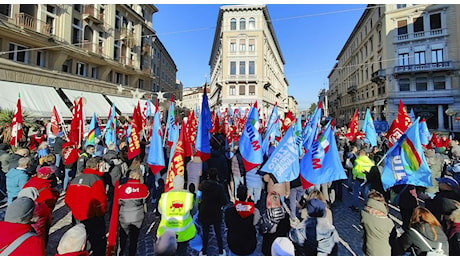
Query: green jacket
(362, 164)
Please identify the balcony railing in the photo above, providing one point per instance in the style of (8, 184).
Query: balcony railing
(92, 47)
(438, 66)
(125, 60)
(378, 75)
(242, 77)
(352, 89)
(421, 35)
(90, 12)
(32, 23)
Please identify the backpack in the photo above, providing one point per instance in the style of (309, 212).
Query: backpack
(433, 251)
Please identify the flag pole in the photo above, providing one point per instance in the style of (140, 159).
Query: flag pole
(62, 122)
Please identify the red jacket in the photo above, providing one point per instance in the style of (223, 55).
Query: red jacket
(46, 193)
(33, 246)
(86, 196)
(79, 253)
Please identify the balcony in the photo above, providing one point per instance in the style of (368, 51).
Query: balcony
(378, 76)
(32, 23)
(352, 89)
(90, 13)
(92, 47)
(420, 35)
(438, 66)
(126, 60)
(242, 78)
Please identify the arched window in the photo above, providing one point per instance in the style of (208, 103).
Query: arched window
(233, 24)
(242, 24)
(252, 23)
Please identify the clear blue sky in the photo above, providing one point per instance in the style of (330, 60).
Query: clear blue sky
(310, 36)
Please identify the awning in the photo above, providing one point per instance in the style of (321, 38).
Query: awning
(426, 101)
(36, 100)
(95, 102)
(126, 105)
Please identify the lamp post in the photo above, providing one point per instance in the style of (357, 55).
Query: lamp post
(451, 113)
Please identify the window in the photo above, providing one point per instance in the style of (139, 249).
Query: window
(242, 24)
(118, 77)
(232, 90)
(404, 85)
(419, 57)
(402, 27)
(252, 45)
(40, 59)
(242, 67)
(76, 31)
(94, 72)
(126, 80)
(67, 66)
(232, 68)
(371, 44)
(421, 84)
(252, 23)
(252, 90)
(439, 82)
(242, 90)
(233, 24)
(18, 53)
(5, 10)
(117, 20)
(242, 45)
(436, 56)
(116, 50)
(418, 24)
(403, 59)
(81, 69)
(252, 68)
(140, 84)
(232, 45)
(77, 8)
(399, 6)
(435, 21)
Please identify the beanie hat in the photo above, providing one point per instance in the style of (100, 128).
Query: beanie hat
(316, 208)
(72, 240)
(166, 244)
(29, 192)
(282, 246)
(453, 183)
(20, 211)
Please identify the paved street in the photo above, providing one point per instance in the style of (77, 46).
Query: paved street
(346, 221)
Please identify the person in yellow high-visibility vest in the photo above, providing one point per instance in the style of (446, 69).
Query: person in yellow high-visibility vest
(177, 208)
(361, 168)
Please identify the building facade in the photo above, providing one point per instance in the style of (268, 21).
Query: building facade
(400, 52)
(246, 61)
(110, 49)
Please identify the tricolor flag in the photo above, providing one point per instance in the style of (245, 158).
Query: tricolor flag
(405, 161)
(251, 141)
(321, 164)
(202, 144)
(55, 121)
(156, 158)
(352, 127)
(369, 129)
(94, 131)
(16, 124)
(399, 125)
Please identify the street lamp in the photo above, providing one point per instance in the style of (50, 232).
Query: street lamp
(451, 113)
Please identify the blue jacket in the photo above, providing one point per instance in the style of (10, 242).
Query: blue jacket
(15, 180)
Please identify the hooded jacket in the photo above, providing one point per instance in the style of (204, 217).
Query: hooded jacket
(33, 246)
(409, 239)
(46, 193)
(86, 195)
(15, 180)
(377, 229)
(132, 197)
(241, 232)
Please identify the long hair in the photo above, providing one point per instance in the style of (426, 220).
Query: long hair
(423, 215)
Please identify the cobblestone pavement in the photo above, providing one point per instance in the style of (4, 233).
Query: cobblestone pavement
(345, 220)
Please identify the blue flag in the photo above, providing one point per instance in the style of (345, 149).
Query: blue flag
(412, 115)
(111, 127)
(202, 144)
(148, 110)
(94, 131)
(156, 158)
(171, 127)
(298, 135)
(321, 163)
(405, 162)
(284, 161)
(425, 135)
(315, 127)
(273, 129)
(251, 141)
(369, 129)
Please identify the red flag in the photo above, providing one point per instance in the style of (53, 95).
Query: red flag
(76, 126)
(55, 121)
(434, 142)
(399, 125)
(138, 118)
(70, 153)
(134, 146)
(16, 125)
(187, 144)
(353, 127)
(288, 120)
(176, 167)
(192, 125)
(112, 237)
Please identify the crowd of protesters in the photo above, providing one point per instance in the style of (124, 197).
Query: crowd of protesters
(219, 193)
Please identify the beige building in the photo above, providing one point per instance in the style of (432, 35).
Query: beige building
(399, 51)
(292, 105)
(193, 96)
(246, 61)
(99, 51)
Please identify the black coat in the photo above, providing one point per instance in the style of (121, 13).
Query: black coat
(241, 233)
(212, 201)
(281, 231)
